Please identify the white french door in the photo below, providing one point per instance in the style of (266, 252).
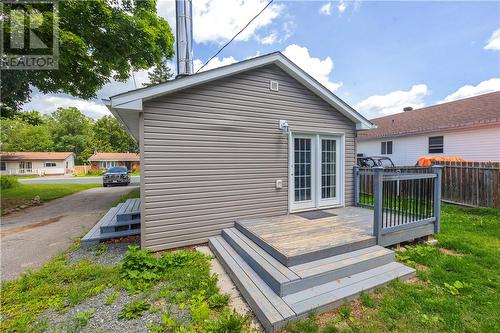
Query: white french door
(314, 171)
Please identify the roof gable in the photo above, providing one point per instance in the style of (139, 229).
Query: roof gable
(125, 106)
(465, 113)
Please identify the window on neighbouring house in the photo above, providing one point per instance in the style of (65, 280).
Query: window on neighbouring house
(50, 164)
(386, 148)
(2, 166)
(107, 164)
(436, 144)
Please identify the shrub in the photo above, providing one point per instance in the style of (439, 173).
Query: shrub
(8, 182)
(134, 309)
(92, 172)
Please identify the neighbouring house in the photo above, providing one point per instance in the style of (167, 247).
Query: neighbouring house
(37, 163)
(108, 160)
(468, 128)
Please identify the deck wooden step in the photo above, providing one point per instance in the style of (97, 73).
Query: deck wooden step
(349, 245)
(330, 295)
(275, 311)
(286, 280)
(269, 308)
(129, 210)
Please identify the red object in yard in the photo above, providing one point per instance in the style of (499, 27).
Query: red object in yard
(429, 160)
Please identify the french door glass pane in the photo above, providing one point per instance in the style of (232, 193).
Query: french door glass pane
(302, 169)
(328, 168)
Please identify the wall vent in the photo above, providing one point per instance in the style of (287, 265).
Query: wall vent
(273, 85)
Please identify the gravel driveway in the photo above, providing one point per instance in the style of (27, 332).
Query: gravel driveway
(31, 237)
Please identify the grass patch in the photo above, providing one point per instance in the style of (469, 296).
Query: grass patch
(46, 192)
(455, 293)
(180, 280)
(135, 193)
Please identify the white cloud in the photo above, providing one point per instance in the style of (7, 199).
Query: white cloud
(393, 102)
(317, 68)
(216, 62)
(342, 6)
(494, 41)
(326, 9)
(483, 87)
(48, 103)
(94, 108)
(219, 20)
(269, 39)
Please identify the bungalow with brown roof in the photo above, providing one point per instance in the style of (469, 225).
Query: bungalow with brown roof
(468, 128)
(107, 160)
(36, 163)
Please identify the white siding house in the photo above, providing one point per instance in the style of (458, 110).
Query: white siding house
(468, 128)
(37, 163)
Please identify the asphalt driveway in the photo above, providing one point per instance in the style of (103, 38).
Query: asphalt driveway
(134, 180)
(31, 237)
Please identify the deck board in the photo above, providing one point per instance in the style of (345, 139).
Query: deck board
(294, 236)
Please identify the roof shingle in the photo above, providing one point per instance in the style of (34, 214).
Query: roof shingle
(31, 155)
(115, 157)
(465, 113)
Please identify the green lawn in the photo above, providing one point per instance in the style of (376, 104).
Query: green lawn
(135, 193)
(457, 289)
(46, 192)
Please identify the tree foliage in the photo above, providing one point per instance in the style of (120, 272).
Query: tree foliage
(70, 130)
(99, 40)
(66, 129)
(161, 73)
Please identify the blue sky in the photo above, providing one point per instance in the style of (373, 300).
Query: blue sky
(377, 56)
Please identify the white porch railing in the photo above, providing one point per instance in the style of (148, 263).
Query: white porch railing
(27, 172)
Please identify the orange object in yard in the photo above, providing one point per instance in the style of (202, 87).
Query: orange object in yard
(429, 160)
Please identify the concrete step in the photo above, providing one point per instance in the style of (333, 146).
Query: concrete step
(292, 260)
(286, 280)
(274, 311)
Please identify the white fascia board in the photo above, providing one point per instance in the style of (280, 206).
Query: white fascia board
(116, 114)
(189, 81)
(298, 74)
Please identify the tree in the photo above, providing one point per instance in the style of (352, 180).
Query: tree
(17, 135)
(160, 74)
(31, 117)
(99, 40)
(109, 136)
(71, 130)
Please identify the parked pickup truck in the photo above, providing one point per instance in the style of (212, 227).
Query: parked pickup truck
(116, 175)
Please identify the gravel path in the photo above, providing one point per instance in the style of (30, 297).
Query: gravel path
(103, 254)
(104, 318)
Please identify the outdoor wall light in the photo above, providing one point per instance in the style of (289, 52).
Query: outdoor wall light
(283, 125)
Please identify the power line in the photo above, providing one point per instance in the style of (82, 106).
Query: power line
(239, 32)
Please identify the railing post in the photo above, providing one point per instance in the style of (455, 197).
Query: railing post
(438, 170)
(355, 171)
(378, 174)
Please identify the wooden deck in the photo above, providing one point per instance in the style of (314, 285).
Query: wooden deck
(293, 239)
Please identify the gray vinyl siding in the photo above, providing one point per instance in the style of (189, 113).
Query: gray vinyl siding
(211, 154)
